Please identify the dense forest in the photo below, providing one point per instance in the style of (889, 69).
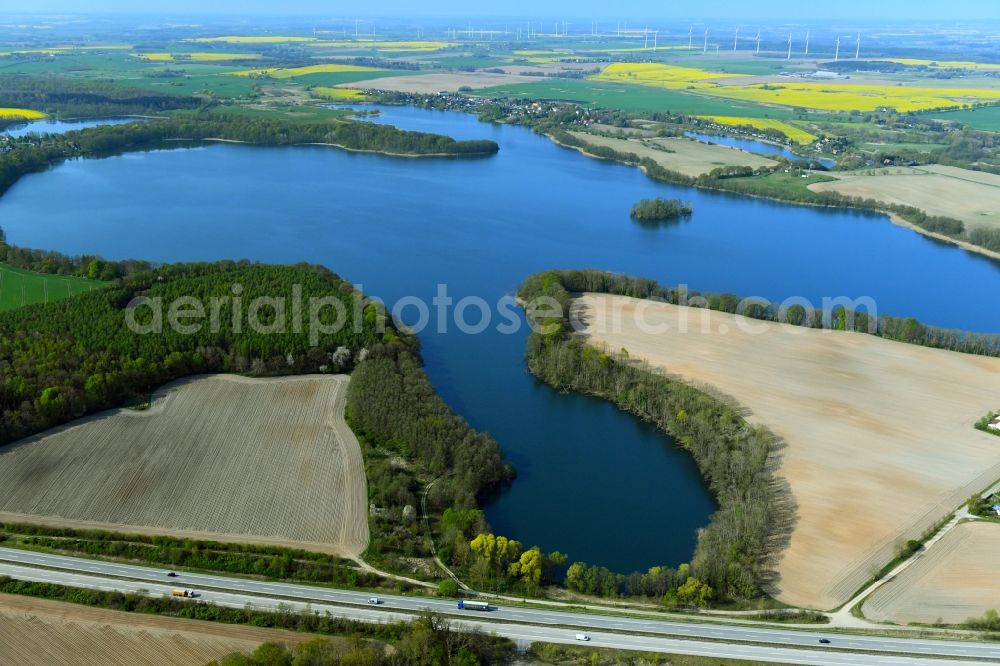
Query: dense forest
(30, 154)
(655, 210)
(68, 98)
(61, 360)
(733, 556)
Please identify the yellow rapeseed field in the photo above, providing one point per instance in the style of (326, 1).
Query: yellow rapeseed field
(200, 57)
(847, 97)
(339, 94)
(659, 76)
(250, 39)
(292, 72)
(791, 131)
(820, 96)
(945, 64)
(26, 114)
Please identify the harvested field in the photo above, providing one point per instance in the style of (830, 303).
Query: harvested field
(880, 437)
(220, 457)
(686, 156)
(970, 196)
(52, 633)
(450, 81)
(955, 580)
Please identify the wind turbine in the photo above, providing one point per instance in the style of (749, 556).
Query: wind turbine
(807, 42)
(736, 39)
(836, 55)
(857, 53)
(789, 47)
(705, 48)
(690, 36)
(758, 43)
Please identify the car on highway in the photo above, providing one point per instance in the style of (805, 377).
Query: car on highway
(824, 640)
(582, 637)
(171, 574)
(374, 600)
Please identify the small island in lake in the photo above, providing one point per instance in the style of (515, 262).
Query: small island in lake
(655, 210)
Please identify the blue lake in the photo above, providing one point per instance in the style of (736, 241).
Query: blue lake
(594, 483)
(50, 126)
(757, 147)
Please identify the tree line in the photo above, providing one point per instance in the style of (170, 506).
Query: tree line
(901, 329)
(427, 641)
(236, 558)
(733, 555)
(56, 263)
(61, 360)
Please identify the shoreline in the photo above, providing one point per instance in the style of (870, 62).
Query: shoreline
(336, 145)
(894, 218)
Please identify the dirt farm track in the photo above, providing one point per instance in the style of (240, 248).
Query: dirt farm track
(220, 457)
(880, 443)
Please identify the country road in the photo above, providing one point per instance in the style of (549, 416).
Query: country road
(520, 624)
(844, 616)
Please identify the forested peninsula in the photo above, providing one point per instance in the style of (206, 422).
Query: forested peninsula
(30, 154)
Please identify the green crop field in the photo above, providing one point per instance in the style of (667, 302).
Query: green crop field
(635, 98)
(220, 85)
(20, 287)
(984, 118)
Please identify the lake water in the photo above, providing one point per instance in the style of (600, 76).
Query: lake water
(49, 126)
(757, 147)
(594, 483)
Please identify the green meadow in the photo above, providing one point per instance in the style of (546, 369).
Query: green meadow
(986, 118)
(20, 287)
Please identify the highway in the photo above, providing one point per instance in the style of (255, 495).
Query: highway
(520, 624)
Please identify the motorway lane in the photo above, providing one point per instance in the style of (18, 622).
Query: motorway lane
(523, 634)
(154, 579)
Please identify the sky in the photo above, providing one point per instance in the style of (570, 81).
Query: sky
(964, 11)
